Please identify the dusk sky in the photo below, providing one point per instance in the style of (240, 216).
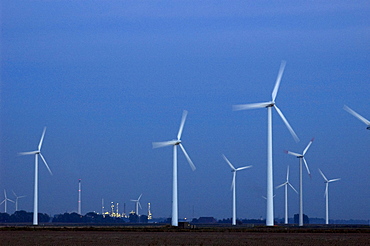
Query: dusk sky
(108, 78)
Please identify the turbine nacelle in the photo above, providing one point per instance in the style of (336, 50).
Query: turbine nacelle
(301, 156)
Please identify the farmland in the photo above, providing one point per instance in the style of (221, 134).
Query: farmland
(165, 235)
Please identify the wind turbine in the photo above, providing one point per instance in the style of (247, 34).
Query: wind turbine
(16, 200)
(327, 195)
(301, 157)
(286, 184)
(233, 186)
(5, 201)
(269, 106)
(37, 153)
(137, 204)
(367, 122)
(175, 143)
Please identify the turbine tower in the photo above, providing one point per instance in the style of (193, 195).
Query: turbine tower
(233, 186)
(269, 106)
(286, 184)
(5, 201)
(137, 204)
(327, 195)
(301, 157)
(16, 200)
(175, 143)
(102, 206)
(37, 153)
(79, 197)
(367, 122)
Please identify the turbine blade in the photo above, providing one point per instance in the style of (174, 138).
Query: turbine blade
(241, 168)
(47, 166)
(291, 186)
(308, 146)
(305, 163)
(333, 180)
(14, 194)
(28, 153)
(228, 162)
(278, 79)
(293, 153)
(42, 139)
(251, 106)
(184, 114)
(326, 190)
(139, 197)
(287, 174)
(287, 124)
(140, 205)
(277, 187)
(322, 174)
(187, 157)
(349, 110)
(163, 144)
(10, 200)
(2, 202)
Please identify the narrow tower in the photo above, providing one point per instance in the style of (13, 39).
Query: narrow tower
(79, 197)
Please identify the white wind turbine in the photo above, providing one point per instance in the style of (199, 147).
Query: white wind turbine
(37, 153)
(367, 122)
(137, 204)
(175, 143)
(327, 195)
(233, 186)
(286, 183)
(5, 201)
(269, 106)
(16, 200)
(301, 157)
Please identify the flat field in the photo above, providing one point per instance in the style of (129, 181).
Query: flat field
(166, 236)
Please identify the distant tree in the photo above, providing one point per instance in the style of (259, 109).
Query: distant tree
(255, 221)
(44, 218)
(143, 218)
(194, 220)
(225, 221)
(4, 217)
(133, 218)
(21, 216)
(68, 218)
(93, 217)
(305, 219)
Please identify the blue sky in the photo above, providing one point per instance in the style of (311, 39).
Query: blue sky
(110, 78)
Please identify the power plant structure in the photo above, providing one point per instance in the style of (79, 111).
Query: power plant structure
(150, 216)
(114, 211)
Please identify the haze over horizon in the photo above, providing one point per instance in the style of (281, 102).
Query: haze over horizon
(109, 78)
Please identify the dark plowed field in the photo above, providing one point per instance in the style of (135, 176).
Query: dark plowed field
(165, 236)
